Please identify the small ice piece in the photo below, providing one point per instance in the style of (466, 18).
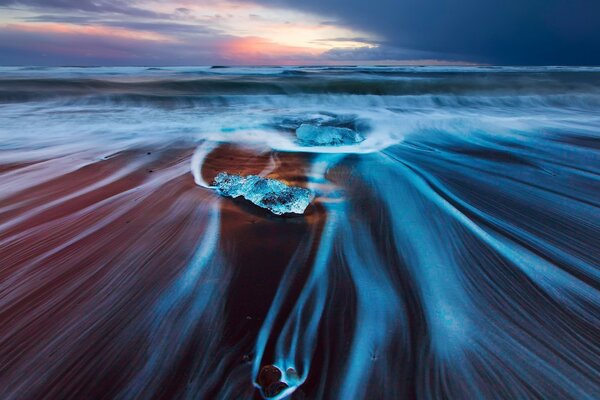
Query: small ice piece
(271, 194)
(322, 135)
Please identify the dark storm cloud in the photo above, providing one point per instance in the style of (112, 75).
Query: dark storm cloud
(490, 31)
(356, 39)
(382, 52)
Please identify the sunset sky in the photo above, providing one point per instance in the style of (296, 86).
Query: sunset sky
(269, 32)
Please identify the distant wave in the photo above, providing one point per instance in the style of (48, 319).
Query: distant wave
(294, 82)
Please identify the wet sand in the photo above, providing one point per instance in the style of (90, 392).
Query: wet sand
(452, 254)
(85, 255)
(121, 278)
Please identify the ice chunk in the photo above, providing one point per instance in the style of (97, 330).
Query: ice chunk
(321, 135)
(271, 194)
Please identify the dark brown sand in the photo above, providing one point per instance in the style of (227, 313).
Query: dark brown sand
(86, 253)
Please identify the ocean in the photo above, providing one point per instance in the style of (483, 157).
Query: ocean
(450, 250)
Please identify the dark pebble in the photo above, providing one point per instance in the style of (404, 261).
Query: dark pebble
(275, 388)
(268, 375)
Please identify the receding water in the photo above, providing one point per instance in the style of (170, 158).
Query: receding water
(452, 253)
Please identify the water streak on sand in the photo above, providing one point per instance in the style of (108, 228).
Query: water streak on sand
(451, 254)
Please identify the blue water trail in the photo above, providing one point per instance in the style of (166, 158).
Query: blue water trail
(296, 341)
(466, 324)
(191, 301)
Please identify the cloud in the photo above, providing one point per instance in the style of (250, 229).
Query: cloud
(260, 51)
(354, 39)
(490, 31)
(316, 31)
(56, 44)
(368, 53)
(214, 32)
(91, 6)
(65, 45)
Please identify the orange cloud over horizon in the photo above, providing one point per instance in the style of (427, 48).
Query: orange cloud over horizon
(258, 50)
(182, 32)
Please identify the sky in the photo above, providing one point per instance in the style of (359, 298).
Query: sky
(299, 32)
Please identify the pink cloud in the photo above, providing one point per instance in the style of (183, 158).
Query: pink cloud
(82, 44)
(90, 30)
(255, 50)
